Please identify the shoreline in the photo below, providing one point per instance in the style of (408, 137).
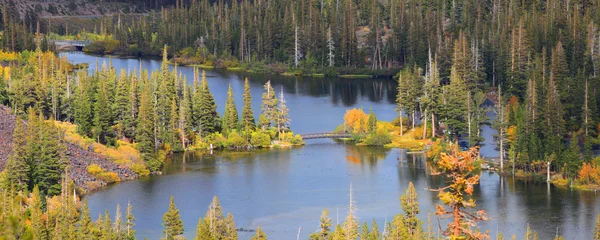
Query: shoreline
(342, 72)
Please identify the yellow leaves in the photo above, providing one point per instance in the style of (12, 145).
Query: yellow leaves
(356, 120)
(125, 154)
(7, 56)
(94, 169)
(458, 168)
(446, 197)
(589, 174)
(511, 133)
(98, 172)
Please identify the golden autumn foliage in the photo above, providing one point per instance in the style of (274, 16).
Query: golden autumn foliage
(458, 167)
(7, 56)
(125, 154)
(356, 120)
(511, 134)
(589, 174)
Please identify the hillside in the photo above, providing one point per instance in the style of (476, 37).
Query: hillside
(59, 8)
(79, 158)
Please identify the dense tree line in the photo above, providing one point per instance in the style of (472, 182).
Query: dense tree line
(158, 111)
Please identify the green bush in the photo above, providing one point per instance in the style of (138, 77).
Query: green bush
(290, 138)
(381, 138)
(397, 120)
(260, 139)
(235, 140)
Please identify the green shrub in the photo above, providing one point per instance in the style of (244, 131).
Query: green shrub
(381, 138)
(397, 120)
(260, 139)
(290, 138)
(417, 133)
(235, 140)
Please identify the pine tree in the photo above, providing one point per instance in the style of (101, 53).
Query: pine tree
(102, 114)
(51, 159)
(83, 106)
(410, 206)
(268, 107)
(172, 221)
(129, 222)
(283, 119)
(145, 129)
(247, 113)
(374, 234)
(207, 115)
(371, 122)
(364, 232)
(17, 173)
(122, 107)
(86, 223)
(37, 222)
(259, 235)
(324, 232)
(230, 117)
(351, 225)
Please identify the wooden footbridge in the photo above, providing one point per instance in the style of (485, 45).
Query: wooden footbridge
(325, 135)
(79, 45)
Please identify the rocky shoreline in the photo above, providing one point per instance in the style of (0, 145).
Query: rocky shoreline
(78, 157)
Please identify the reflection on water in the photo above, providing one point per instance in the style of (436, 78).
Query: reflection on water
(309, 99)
(283, 189)
(286, 188)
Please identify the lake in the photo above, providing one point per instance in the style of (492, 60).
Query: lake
(283, 189)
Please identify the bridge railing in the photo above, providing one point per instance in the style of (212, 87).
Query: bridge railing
(325, 135)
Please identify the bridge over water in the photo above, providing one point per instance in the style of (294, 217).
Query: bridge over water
(325, 135)
(66, 44)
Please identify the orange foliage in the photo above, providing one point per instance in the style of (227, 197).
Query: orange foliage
(458, 168)
(513, 103)
(356, 119)
(511, 134)
(589, 174)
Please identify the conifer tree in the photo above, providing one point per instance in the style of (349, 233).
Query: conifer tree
(268, 107)
(172, 221)
(283, 119)
(83, 106)
(102, 114)
(351, 225)
(371, 122)
(324, 232)
(259, 235)
(17, 167)
(208, 118)
(230, 230)
(129, 222)
(50, 159)
(145, 129)
(122, 107)
(247, 113)
(374, 234)
(230, 117)
(410, 206)
(37, 222)
(364, 232)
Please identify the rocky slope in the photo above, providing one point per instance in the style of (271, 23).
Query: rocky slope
(79, 158)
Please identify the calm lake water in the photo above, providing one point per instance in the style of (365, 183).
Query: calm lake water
(283, 189)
